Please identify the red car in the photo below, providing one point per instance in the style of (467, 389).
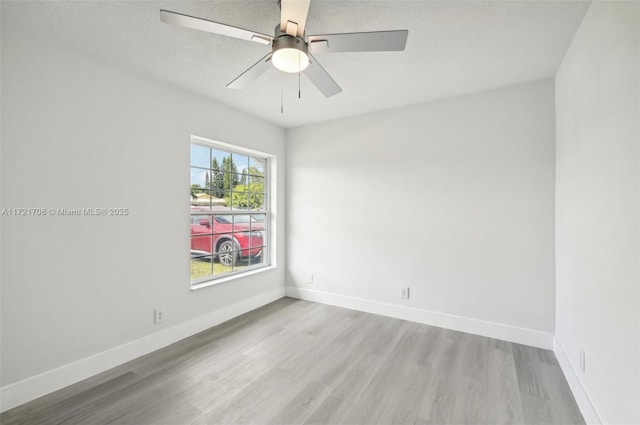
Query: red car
(232, 238)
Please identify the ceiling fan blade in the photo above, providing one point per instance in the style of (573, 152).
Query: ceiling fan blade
(252, 73)
(321, 78)
(293, 16)
(376, 41)
(214, 27)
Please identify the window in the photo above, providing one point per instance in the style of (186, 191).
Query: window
(229, 211)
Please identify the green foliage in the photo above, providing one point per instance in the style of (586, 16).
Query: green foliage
(248, 192)
(223, 178)
(249, 196)
(230, 174)
(240, 191)
(203, 268)
(215, 183)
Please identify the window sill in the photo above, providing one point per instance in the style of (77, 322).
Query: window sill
(235, 276)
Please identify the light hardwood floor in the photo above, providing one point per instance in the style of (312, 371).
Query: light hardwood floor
(296, 362)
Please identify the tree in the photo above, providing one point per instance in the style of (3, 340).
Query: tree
(216, 183)
(249, 194)
(230, 175)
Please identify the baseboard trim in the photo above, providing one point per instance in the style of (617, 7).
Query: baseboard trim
(37, 386)
(501, 331)
(586, 406)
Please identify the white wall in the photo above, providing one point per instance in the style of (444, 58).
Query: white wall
(597, 216)
(453, 198)
(79, 132)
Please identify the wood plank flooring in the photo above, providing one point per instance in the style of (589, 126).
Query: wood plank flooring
(296, 362)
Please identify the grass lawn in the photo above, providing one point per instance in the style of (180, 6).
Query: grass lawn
(203, 268)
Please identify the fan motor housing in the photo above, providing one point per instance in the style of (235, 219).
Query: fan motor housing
(289, 42)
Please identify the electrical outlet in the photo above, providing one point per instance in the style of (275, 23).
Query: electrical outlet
(404, 292)
(310, 279)
(583, 362)
(158, 316)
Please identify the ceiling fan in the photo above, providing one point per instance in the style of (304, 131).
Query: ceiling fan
(291, 49)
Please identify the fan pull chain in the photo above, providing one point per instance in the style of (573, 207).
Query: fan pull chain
(281, 94)
(299, 96)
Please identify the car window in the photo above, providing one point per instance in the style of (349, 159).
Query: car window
(257, 218)
(241, 219)
(223, 219)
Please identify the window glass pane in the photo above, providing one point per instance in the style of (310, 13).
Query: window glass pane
(226, 183)
(204, 200)
(217, 200)
(244, 179)
(200, 177)
(256, 183)
(223, 226)
(239, 181)
(201, 247)
(196, 194)
(250, 237)
(203, 222)
(256, 242)
(256, 201)
(244, 258)
(221, 200)
(220, 157)
(200, 225)
(256, 260)
(256, 166)
(222, 220)
(241, 162)
(258, 220)
(201, 267)
(216, 184)
(200, 156)
(242, 221)
(220, 269)
(226, 252)
(241, 200)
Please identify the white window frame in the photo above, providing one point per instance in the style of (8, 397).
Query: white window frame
(268, 262)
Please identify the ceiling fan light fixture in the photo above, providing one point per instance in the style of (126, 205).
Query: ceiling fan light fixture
(290, 44)
(290, 54)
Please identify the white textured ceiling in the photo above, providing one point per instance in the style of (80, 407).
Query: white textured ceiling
(454, 47)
